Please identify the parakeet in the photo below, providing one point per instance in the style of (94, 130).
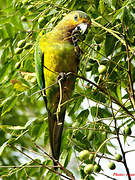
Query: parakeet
(56, 55)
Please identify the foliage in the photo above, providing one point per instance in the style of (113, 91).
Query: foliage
(102, 104)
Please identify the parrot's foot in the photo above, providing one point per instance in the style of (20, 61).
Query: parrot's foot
(76, 36)
(62, 77)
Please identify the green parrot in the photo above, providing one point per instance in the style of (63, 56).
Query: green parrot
(56, 55)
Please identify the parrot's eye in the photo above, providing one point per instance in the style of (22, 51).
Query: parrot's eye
(76, 18)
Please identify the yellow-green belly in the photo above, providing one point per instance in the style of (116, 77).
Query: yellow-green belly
(59, 57)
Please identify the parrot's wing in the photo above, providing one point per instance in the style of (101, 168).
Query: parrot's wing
(38, 64)
(39, 59)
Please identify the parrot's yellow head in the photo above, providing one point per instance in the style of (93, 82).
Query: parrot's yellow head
(73, 20)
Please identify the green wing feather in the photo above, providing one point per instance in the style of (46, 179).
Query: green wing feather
(39, 64)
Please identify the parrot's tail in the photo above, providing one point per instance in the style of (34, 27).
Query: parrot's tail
(55, 132)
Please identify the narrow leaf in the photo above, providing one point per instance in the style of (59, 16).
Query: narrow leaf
(119, 92)
(101, 6)
(109, 44)
(3, 147)
(9, 105)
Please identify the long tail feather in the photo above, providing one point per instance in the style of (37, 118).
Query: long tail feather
(55, 133)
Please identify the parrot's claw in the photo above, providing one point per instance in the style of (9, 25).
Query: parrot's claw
(76, 36)
(62, 77)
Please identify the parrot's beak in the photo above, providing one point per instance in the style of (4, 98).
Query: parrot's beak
(82, 28)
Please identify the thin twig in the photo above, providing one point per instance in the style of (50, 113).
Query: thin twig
(131, 89)
(60, 165)
(105, 157)
(114, 33)
(27, 176)
(56, 172)
(120, 144)
(44, 89)
(56, 6)
(108, 176)
(130, 151)
(98, 130)
(60, 101)
(26, 166)
(103, 144)
(106, 93)
(90, 46)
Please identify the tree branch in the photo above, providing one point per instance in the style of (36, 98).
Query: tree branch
(56, 172)
(120, 144)
(61, 167)
(131, 89)
(104, 92)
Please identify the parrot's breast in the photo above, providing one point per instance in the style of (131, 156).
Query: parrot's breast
(58, 57)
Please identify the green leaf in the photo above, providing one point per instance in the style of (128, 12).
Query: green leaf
(109, 44)
(117, 15)
(38, 129)
(3, 33)
(76, 105)
(101, 6)
(3, 147)
(68, 157)
(83, 115)
(65, 156)
(5, 101)
(128, 16)
(10, 29)
(118, 90)
(4, 71)
(80, 139)
(114, 2)
(10, 103)
(99, 112)
(12, 127)
(5, 54)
